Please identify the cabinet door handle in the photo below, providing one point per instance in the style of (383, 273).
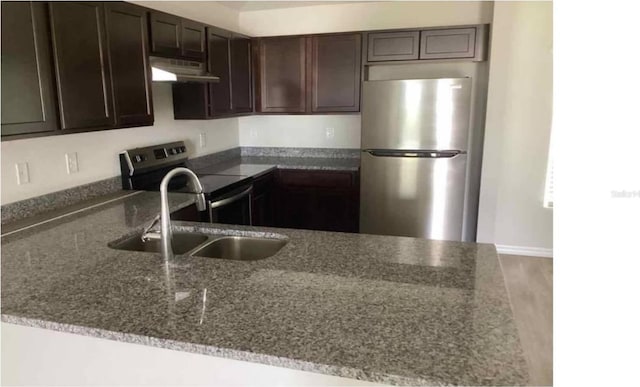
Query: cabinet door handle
(224, 202)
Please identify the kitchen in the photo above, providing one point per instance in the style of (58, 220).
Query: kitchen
(294, 114)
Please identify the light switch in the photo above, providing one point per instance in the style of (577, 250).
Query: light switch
(203, 140)
(72, 162)
(22, 170)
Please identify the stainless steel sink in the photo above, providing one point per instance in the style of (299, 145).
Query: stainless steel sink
(182, 242)
(240, 248)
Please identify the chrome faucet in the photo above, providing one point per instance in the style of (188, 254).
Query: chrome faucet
(165, 219)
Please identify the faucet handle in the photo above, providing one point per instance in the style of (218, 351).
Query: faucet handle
(146, 233)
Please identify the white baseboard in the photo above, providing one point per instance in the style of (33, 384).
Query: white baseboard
(524, 250)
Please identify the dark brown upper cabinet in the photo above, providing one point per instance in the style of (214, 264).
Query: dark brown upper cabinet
(385, 46)
(191, 101)
(207, 100)
(335, 73)
(219, 65)
(28, 89)
(281, 75)
(166, 37)
(193, 40)
(463, 42)
(173, 36)
(447, 44)
(129, 58)
(82, 72)
(309, 74)
(241, 82)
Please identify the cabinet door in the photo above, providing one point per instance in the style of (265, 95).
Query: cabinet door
(383, 46)
(448, 43)
(82, 72)
(165, 34)
(191, 101)
(130, 72)
(28, 90)
(336, 73)
(219, 93)
(193, 40)
(241, 95)
(262, 204)
(318, 200)
(282, 71)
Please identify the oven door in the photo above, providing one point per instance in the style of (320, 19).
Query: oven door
(233, 207)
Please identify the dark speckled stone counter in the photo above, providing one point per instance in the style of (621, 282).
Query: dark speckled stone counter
(309, 163)
(385, 309)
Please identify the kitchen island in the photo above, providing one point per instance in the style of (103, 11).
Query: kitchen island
(390, 310)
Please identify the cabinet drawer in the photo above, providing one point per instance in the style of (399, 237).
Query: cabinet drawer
(384, 46)
(318, 179)
(449, 43)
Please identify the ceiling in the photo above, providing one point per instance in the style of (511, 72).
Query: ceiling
(264, 5)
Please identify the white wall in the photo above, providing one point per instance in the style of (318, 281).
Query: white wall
(311, 131)
(304, 131)
(518, 129)
(364, 16)
(98, 151)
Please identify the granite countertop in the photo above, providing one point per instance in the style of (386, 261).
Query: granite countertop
(385, 309)
(286, 162)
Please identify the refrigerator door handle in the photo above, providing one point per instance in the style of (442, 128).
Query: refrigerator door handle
(430, 154)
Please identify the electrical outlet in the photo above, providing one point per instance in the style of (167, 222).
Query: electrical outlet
(253, 133)
(22, 170)
(330, 133)
(203, 140)
(72, 163)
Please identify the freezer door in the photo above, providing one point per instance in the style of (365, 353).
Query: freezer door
(416, 195)
(416, 114)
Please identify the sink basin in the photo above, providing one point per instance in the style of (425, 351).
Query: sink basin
(182, 242)
(241, 248)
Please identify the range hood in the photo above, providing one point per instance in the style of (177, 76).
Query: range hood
(177, 70)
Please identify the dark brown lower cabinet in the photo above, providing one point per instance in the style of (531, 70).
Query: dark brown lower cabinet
(318, 200)
(303, 199)
(263, 201)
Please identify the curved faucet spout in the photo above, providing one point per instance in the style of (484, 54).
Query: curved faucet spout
(165, 217)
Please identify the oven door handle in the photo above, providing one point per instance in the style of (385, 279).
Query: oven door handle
(224, 202)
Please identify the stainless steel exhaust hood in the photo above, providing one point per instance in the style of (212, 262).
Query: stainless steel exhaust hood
(177, 70)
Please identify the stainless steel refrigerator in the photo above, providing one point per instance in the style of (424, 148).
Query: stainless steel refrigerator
(414, 157)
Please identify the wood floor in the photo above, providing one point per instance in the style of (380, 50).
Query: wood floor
(529, 281)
